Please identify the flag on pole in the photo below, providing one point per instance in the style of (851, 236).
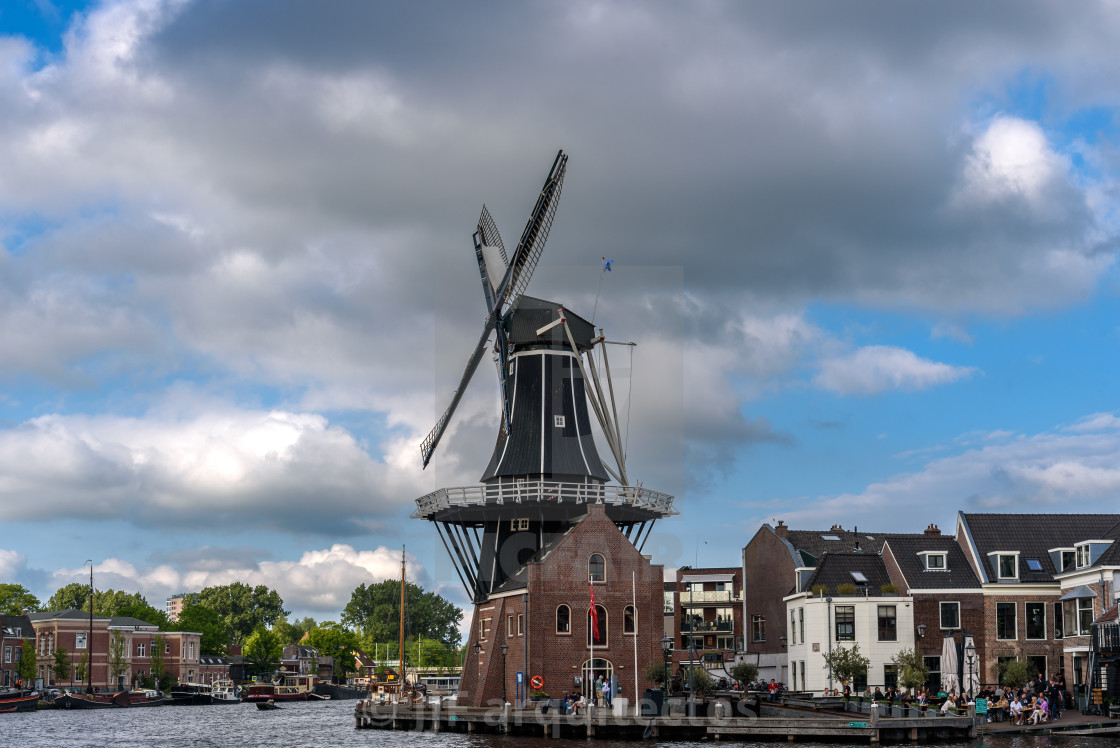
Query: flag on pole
(607, 265)
(594, 618)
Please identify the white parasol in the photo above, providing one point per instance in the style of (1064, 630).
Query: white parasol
(949, 680)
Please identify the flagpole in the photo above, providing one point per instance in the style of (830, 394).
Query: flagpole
(634, 593)
(592, 620)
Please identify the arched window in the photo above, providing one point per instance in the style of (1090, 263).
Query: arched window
(628, 620)
(563, 619)
(596, 568)
(597, 627)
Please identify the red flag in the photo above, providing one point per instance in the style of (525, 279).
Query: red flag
(594, 618)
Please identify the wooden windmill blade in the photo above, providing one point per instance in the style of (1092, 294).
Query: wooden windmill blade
(533, 238)
(428, 446)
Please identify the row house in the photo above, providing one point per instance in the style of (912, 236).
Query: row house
(16, 634)
(300, 659)
(849, 600)
(778, 562)
(70, 629)
(932, 571)
(706, 608)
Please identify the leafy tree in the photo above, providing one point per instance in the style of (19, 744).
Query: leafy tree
(701, 681)
(429, 653)
(118, 661)
(339, 642)
(81, 665)
(73, 595)
(144, 612)
(62, 665)
(655, 671)
(375, 611)
(1015, 673)
(911, 668)
(745, 672)
(28, 662)
(243, 608)
(105, 602)
(846, 663)
(158, 670)
(15, 598)
(293, 633)
(263, 650)
(201, 619)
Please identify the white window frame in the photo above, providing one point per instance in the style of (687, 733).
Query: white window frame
(80, 640)
(556, 620)
(521, 624)
(1026, 621)
(999, 564)
(1015, 626)
(1082, 549)
(141, 648)
(941, 615)
(928, 563)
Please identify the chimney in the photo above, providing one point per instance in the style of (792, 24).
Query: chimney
(782, 531)
(835, 528)
(932, 530)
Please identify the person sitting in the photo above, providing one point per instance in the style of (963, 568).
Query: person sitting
(1016, 709)
(1001, 708)
(950, 703)
(878, 693)
(1040, 711)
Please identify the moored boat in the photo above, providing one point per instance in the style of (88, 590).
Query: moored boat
(189, 694)
(224, 692)
(18, 700)
(109, 701)
(284, 688)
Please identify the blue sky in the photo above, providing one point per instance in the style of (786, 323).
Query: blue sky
(868, 254)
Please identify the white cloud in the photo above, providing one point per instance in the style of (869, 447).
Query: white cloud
(213, 467)
(875, 368)
(319, 583)
(1012, 158)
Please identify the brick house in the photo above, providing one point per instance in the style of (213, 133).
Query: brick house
(777, 562)
(1026, 564)
(707, 607)
(70, 629)
(853, 605)
(16, 634)
(933, 571)
(542, 615)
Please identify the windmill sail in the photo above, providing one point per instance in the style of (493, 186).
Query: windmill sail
(429, 444)
(533, 239)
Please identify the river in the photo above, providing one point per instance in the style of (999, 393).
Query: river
(320, 724)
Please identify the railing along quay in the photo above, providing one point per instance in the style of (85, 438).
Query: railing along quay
(790, 724)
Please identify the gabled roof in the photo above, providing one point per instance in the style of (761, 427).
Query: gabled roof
(835, 569)
(9, 624)
(1111, 615)
(130, 622)
(67, 614)
(958, 573)
(810, 545)
(1032, 536)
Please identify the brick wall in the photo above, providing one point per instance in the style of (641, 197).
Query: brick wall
(770, 577)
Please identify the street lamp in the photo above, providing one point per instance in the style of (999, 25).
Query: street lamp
(782, 641)
(829, 601)
(921, 630)
(666, 649)
(505, 649)
(970, 655)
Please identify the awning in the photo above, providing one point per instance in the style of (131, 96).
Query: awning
(1078, 592)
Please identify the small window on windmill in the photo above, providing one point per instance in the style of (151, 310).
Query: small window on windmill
(519, 524)
(558, 421)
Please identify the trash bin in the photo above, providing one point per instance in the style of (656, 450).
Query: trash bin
(652, 702)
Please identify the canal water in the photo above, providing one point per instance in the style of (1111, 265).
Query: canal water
(323, 724)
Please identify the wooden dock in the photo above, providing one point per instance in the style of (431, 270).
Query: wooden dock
(602, 723)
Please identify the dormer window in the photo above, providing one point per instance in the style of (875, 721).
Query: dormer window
(1082, 556)
(1005, 565)
(934, 560)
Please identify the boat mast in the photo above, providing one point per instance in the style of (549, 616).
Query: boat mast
(89, 642)
(400, 644)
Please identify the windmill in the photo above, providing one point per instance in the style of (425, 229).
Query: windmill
(545, 467)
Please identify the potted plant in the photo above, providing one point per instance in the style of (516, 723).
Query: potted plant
(819, 590)
(888, 590)
(845, 589)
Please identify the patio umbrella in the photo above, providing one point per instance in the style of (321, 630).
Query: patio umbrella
(972, 677)
(949, 680)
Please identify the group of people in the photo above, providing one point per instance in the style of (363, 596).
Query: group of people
(575, 703)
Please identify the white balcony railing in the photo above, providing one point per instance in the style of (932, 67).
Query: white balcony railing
(543, 491)
(709, 597)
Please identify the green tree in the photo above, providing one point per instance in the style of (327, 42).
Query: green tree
(158, 670)
(81, 665)
(745, 672)
(62, 665)
(655, 671)
(118, 657)
(145, 612)
(15, 598)
(105, 602)
(1015, 673)
(701, 682)
(73, 595)
(374, 610)
(202, 620)
(263, 650)
(429, 653)
(339, 642)
(28, 662)
(293, 633)
(846, 663)
(911, 668)
(243, 608)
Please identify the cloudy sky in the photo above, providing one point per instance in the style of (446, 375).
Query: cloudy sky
(867, 251)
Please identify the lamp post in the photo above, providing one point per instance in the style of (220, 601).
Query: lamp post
(828, 600)
(666, 649)
(921, 630)
(478, 668)
(505, 649)
(782, 641)
(970, 655)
